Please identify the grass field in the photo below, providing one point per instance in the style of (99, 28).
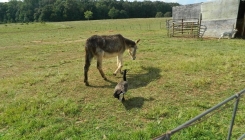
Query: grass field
(171, 81)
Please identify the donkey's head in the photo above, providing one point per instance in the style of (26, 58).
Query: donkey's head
(132, 49)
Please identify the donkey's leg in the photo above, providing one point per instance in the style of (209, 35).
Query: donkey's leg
(88, 59)
(119, 65)
(99, 66)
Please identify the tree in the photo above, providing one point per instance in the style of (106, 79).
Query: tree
(101, 11)
(13, 10)
(113, 13)
(46, 13)
(159, 14)
(123, 14)
(88, 14)
(3, 9)
(28, 9)
(168, 14)
(58, 11)
(70, 10)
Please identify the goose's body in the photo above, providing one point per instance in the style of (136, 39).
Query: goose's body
(121, 88)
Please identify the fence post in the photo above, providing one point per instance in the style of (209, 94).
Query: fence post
(168, 136)
(233, 117)
(167, 26)
(182, 23)
(173, 30)
(200, 23)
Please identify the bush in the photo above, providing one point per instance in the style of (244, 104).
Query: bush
(168, 14)
(159, 14)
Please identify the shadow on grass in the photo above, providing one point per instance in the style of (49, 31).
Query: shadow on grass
(112, 85)
(135, 80)
(135, 102)
(142, 80)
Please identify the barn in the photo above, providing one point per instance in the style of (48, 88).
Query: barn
(216, 16)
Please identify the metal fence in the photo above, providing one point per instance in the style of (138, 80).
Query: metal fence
(236, 96)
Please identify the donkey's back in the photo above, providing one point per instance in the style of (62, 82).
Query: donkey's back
(106, 44)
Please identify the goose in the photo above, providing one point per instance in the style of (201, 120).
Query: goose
(121, 88)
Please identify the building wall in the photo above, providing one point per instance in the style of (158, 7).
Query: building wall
(219, 16)
(186, 11)
(216, 27)
(220, 9)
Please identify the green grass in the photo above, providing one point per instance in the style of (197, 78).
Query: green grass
(171, 81)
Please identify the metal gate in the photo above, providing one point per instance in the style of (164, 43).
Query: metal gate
(185, 28)
(237, 96)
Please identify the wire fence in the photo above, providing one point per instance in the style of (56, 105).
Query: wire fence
(192, 121)
(129, 27)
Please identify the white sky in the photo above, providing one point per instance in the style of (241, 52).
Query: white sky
(183, 2)
(3, 0)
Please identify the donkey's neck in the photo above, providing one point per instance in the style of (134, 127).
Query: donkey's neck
(124, 75)
(129, 42)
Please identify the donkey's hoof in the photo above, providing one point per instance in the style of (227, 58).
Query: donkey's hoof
(86, 83)
(114, 74)
(105, 78)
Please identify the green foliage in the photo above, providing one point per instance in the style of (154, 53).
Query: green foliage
(159, 14)
(168, 14)
(88, 14)
(171, 81)
(70, 10)
(113, 13)
(123, 14)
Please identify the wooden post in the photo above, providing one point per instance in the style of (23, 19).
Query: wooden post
(173, 29)
(182, 22)
(192, 34)
(243, 25)
(199, 25)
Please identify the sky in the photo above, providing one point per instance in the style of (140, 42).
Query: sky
(182, 2)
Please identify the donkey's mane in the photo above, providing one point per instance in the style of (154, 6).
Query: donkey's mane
(129, 42)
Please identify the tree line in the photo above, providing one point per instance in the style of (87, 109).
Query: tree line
(71, 10)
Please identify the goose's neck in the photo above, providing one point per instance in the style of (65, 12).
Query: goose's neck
(124, 76)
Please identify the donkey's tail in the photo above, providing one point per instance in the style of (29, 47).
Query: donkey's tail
(89, 49)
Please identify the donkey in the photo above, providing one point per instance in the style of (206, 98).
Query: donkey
(230, 34)
(105, 46)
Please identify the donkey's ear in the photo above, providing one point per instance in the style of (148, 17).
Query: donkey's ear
(137, 41)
